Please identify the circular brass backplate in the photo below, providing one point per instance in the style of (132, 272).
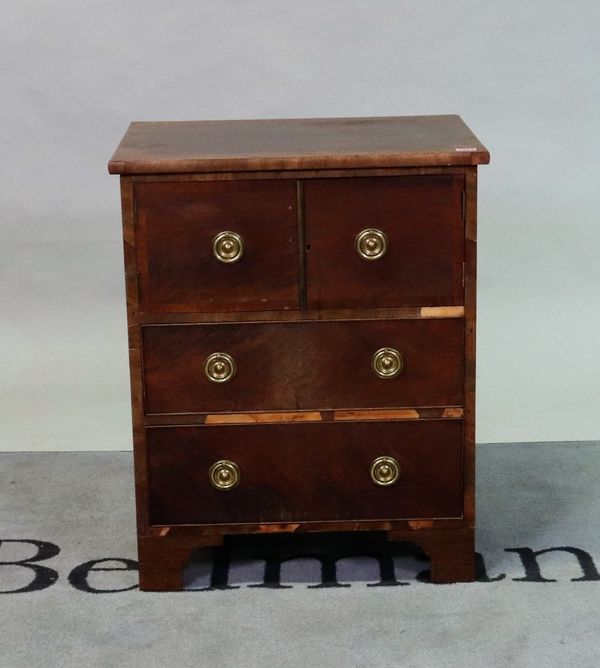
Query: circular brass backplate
(228, 247)
(385, 471)
(224, 474)
(219, 367)
(387, 363)
(371, 244)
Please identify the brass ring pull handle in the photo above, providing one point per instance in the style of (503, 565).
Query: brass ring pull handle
(371, 244)
(228, 247)
(219, 367)
(224, 474)
(385, 471)
(387, 363)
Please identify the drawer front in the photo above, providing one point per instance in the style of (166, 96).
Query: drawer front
(305, 472)
(420, 218)
(184, 266)
(302, 365)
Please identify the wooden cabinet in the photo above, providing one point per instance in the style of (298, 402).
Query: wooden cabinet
(301, 311)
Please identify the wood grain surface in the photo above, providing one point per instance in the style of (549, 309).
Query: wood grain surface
(302, 366)
(306, 143)
(421, 217)
(302, 472)
(177, 223)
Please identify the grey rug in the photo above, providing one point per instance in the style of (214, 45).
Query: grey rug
(68, 557)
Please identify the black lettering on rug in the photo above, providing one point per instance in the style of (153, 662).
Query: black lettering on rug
(529, 559)
(44, 577)
(78, 577)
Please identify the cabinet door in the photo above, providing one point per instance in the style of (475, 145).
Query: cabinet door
(217, 245)
(411, 250)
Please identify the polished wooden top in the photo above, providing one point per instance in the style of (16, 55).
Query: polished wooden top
(303, 143)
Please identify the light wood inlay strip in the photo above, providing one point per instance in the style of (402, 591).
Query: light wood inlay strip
(452, 413)
(385, 414)
(429, 413)
(408, 313)
(394, 414)
(206, 530)
(442, 311)
(257, 418)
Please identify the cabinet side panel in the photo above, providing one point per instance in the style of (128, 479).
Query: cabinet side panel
(135, 357)
(470, 331)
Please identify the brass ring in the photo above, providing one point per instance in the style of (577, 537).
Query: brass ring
(385, 471)
(387, 363)
(219, 367)
(228, 247)
(371, 244)
(224, 474)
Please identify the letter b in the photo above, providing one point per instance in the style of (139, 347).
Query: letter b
(43, 576)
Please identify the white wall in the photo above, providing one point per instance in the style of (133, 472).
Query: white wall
(524, 75)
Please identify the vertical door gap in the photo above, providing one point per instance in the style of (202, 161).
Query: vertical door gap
(301, 246)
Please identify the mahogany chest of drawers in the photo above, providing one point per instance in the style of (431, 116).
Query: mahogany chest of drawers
(301, 312)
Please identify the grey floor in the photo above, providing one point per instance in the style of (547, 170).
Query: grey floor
(524, 611)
